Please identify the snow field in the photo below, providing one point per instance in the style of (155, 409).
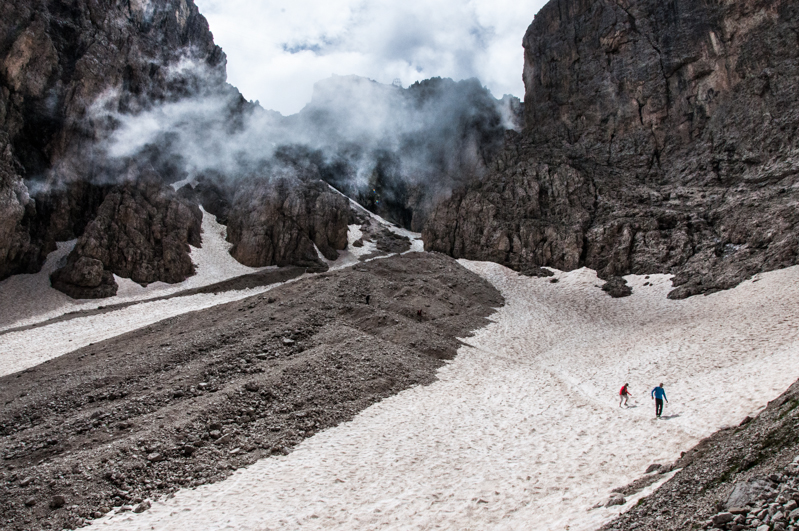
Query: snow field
(29, 299)
(353, 254)
(523, 428)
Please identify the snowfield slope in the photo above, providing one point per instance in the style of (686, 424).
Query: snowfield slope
(523, 429)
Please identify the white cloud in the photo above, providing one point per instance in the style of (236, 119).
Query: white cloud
(278, 49)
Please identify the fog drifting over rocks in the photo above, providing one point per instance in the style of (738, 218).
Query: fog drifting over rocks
(396, 150)
(278, 50)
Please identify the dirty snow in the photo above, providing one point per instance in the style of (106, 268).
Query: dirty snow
(22, 349)
(523, 428)
(29, 299)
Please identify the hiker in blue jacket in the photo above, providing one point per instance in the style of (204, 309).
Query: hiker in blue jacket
(659, 395)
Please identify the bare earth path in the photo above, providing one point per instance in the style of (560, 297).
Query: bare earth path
(523, 429)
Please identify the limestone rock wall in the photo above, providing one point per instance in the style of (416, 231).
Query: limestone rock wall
(57, 59)
(661, 137)
(142, 231)
(278, 222)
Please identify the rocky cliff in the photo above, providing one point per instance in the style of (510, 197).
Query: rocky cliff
(72, 75)
(398, 150)
(661, 137)
(57, 60)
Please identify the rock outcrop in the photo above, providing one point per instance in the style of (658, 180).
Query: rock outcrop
(660, 138)
(142, 231)
(279, 221)
(17, 254)
(58, 60)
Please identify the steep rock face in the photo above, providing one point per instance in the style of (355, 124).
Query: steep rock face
(278, 222)
(537, 215)
(142, 231)
(676, 124)
(57, 60)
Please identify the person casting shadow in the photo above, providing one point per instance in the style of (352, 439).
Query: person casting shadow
(624, 395)
(659, 394)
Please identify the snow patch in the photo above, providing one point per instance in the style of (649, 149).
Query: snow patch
(417, 245)
(28, 298)
(523, 428)
(353, 254)
(177, 185)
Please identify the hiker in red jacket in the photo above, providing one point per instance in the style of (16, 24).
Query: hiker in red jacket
(623, 395)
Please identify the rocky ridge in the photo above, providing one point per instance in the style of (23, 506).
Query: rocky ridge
(73, 74)
(659, 138)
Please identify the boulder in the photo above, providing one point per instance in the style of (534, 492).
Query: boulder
(57, 501)
(654, 467)
(746, 492)
(143, 506)
(615, 499)
(617, 287)
(84, 278)
(722, 518)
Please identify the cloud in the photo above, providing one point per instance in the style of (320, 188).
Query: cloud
(277, 50)
(394, 150)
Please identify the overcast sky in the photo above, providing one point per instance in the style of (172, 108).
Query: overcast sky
(278, 49)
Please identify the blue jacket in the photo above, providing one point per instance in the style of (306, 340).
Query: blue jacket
(658, 392)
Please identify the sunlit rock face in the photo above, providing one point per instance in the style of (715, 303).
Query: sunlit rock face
(660, 138)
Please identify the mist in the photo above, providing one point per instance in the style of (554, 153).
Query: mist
(395, 150)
